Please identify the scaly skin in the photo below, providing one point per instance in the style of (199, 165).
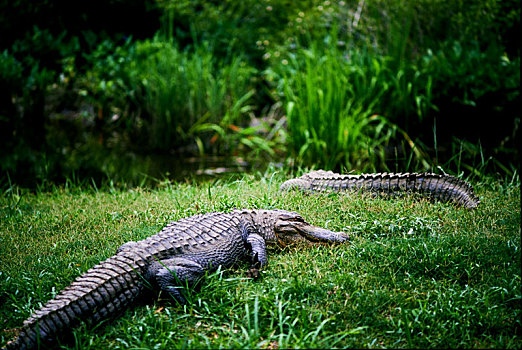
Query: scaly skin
(180, 254)
(444, 188)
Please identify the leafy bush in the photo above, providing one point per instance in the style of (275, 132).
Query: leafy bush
(465, 73)
(27, 74)
(477, 95)
(169, 99)
(182, 92)
(233, 27)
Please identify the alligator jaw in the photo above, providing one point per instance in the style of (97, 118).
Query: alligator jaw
(318, 234)
(292, 231)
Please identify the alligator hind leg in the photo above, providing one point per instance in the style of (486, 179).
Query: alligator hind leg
(172, 275)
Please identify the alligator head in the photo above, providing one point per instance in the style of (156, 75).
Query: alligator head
(290, 227)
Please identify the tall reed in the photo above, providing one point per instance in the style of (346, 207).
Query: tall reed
(183, 91)
(334, 102)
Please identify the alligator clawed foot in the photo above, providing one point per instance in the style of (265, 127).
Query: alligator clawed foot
(253, 273)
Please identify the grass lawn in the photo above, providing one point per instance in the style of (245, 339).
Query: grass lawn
(415, 275)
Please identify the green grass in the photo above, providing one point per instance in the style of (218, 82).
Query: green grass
(415, 274)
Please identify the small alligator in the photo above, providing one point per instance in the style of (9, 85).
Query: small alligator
(179, 255)
(444, 188)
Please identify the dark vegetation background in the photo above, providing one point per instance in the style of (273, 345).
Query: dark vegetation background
(88, 91)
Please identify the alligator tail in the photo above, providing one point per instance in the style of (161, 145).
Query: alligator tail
(100, 293)
(443, 188)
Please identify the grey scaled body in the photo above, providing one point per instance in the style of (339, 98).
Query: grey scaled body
(180, 254)
(443, 188)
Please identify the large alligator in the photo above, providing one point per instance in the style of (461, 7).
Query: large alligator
(179, 255)
(444, 188)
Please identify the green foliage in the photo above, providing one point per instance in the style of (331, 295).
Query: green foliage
(100, 19)
(477, 95)
(465, 73)
(328, 118)
(338, 101)
(105, 84)
(233, 27)
(185, 93)
(404, 29)
(180, 99)
(27, 70)
(411, 82)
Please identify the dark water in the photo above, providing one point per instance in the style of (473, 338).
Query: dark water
(154, 168)
(178, 167)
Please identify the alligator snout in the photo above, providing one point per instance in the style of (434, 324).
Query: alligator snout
(319, 234)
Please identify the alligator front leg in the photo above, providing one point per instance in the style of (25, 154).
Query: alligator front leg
(256, 248)
(258, 252)
(172, 275)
